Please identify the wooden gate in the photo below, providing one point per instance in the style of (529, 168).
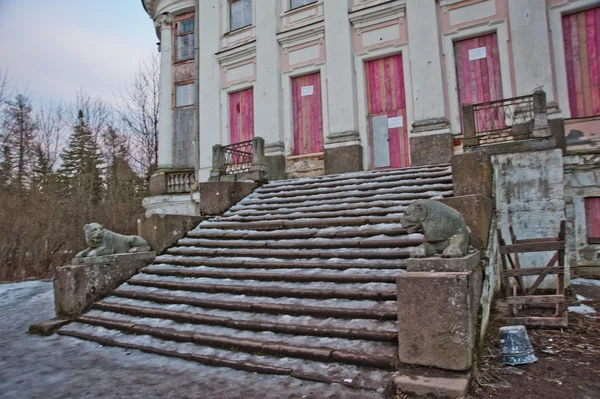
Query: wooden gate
(241, 116)
(523, 306)
(307, 114)
(386, 101)
(479, 79)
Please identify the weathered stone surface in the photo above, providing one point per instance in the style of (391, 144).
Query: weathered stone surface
(440, 384)
(472, 174)
(47, 327)
(431, 149)
(162, 231)
(477, 213)
(217, 197)
(343, 159)
(305, 166)
(275, 167)
(437, 314)
(465, 264)
(102, 242)
(158, 183)
(443, 227)
(77, 287)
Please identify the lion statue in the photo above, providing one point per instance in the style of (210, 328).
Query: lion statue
(105, 242)
(444, 228)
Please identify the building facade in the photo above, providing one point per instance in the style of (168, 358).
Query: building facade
(338, 86)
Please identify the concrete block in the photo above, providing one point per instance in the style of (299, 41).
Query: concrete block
(437, 318)
(431, 149)
(477, 212)
(437, 383)
(276, 167)
(344, 159)
(47, 327)
(161, 231)
(472, 174)
(464, 264)
(77, 287)
(217, 197)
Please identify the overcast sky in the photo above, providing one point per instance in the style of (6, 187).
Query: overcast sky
(55, 47)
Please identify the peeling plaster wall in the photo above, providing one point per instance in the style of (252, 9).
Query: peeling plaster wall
(530, 197)
(582, 179)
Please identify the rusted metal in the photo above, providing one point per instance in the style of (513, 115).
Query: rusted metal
(238, 157)
(509, 119)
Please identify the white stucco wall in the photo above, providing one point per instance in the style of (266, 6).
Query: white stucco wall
(530, 197)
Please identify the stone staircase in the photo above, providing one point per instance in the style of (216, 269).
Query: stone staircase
(297, 279)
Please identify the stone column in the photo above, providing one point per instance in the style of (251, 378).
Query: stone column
(343, 151)
(431, 141)
(267, 91)
(165, 110)
(531, 47)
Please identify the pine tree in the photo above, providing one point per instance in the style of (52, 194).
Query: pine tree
(80, 172)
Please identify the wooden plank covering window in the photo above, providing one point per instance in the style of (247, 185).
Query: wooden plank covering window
(478, 76)
(307, 114)
(241, 116)
(386, 102)
(592, 216)
(581, 35)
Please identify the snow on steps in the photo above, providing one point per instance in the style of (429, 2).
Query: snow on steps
(297, 279)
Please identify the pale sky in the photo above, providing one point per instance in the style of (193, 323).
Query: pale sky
(55, 47)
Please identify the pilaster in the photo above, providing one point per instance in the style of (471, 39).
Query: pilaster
(165, 110)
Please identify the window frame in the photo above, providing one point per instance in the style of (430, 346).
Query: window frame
(178, 34)
(193, 98)
(291, 6)
(230, 19)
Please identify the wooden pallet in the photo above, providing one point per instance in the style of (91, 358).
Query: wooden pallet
(524, 307)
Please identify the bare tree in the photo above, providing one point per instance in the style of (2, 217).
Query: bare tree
(138, 110)
(52, 131)
(97, 113)
(4, 87)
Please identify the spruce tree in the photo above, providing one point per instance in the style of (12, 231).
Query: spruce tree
(80, 172)
(20, 129)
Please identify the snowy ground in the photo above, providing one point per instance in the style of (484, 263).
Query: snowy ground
(62, 367)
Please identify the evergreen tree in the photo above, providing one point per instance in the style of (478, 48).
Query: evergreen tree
(42, 169)
(20, 129)
(5, 167)
(80, 172)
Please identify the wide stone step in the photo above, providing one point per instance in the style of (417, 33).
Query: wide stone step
(364, 231)
(344, 253)
(268, 291)
(363, 378)
(381, 241)
(321, 223)
(263, 276)
(274, 263)
(358, 177)
(316, 214)
(252, 325)
(383, 312)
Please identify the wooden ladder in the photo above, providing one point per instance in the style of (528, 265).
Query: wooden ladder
(519, 298)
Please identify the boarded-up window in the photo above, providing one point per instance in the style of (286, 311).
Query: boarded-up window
(184, 95)
(307, 114)
(581, 34)
(300, 3)
(184, 41)
(592, 215)
(241, 116)
(240, 12)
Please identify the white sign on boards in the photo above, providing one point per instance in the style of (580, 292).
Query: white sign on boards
(395, 122)
(477, 53)
(307, 91)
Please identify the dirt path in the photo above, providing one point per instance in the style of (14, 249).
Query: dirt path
(63, 367)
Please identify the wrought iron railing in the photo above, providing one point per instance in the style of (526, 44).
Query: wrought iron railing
(238, 157)
(504, 120)
(180, 181)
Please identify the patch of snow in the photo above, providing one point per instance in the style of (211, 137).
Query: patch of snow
(582, 309)
(586, 282)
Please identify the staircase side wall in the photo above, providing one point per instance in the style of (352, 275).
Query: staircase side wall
(530, 197)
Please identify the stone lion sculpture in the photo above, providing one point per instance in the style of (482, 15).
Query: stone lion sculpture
(444, 228)
(105, 242)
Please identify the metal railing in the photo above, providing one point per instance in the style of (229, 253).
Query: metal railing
(238, 157)
(506, 120)
(180, 181)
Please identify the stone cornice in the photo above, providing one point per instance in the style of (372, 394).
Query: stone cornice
(162, 20)
(378, 14)
(302, 35)
(237, 54)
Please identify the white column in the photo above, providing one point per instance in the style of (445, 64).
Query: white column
(531, 47)
(426, 65)
(165, 110)
(267, 91)
(341, 84)
(209, 84)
